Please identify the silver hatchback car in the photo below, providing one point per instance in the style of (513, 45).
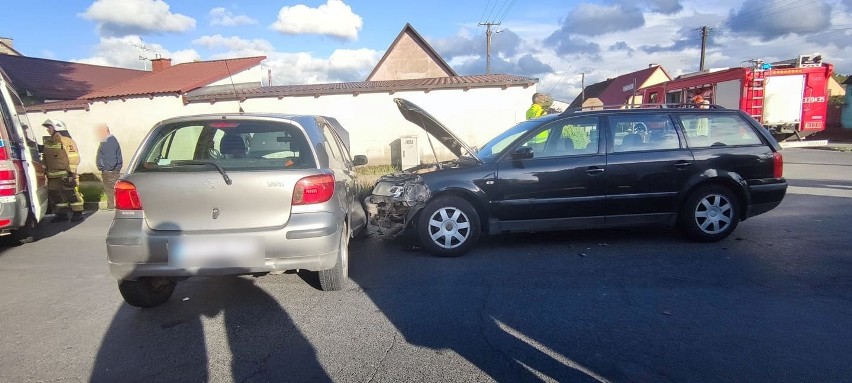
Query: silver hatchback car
(234, 194)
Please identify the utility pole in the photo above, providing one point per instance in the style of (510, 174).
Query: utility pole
(705, 31)
(488, 34)
(582, 88)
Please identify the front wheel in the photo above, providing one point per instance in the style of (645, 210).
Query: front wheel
(335, 279)
(448, 226)
(710, 214)
(147, 292)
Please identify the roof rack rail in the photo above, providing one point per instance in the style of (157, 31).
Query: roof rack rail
(641, 106)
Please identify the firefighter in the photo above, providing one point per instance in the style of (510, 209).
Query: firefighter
(702, 125)
(541, 103)
(61, 158)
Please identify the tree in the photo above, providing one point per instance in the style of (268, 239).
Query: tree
(840, 77)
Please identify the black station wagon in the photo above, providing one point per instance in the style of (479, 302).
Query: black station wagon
(702, 170)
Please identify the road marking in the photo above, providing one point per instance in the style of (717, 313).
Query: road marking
(803, 144)
(825, 192)
(547, 351)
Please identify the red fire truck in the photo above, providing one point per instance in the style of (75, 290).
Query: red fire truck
(790, 98)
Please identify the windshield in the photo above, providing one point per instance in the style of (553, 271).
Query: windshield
(226, 145)
(497, 144)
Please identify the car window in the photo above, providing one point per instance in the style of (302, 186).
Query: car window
(705, 130)
(13, 139)
(233, 145)
(576, 136)
(641, 132)
(330, 145)
(29, 135)
(498, 144)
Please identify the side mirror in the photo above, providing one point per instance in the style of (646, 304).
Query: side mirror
(359, 160)
(523, 153)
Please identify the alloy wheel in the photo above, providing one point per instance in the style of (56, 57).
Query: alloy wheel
(714, 214)
(449, 227)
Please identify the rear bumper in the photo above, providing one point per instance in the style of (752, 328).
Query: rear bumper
(15, 209)
(765, 197)
(309, 241)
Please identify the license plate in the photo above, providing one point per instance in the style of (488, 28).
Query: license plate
(216, 252)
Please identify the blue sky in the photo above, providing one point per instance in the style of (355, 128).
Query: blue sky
(553, 40)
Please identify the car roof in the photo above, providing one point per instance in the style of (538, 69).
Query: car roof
(303, 119)
(661, 108)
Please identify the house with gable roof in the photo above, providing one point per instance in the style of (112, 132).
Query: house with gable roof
(622, 90)
(476, 107)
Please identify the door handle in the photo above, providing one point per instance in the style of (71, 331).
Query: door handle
(683, 164)
(594, 170)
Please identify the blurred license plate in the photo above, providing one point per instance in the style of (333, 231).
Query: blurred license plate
(216, 252)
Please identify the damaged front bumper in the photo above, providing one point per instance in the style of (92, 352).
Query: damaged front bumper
(395, 201)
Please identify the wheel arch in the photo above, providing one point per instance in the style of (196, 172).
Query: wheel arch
(732, 181)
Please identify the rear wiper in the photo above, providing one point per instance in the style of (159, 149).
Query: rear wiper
(205, 163)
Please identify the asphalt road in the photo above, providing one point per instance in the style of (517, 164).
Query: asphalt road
(771, 303)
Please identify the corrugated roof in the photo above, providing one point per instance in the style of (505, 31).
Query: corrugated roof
(592, 91)
(316, 90)
(615, 93)
(612, 91)
(178, 79)
(59, 105)
(61, 80)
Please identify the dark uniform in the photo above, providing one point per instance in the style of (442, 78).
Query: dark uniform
(61, 158)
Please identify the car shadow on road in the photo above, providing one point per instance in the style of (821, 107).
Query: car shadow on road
(167, 343)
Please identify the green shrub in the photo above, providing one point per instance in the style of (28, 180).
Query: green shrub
(92, 191)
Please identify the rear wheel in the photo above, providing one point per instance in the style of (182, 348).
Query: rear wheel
(22, 235)
(335, 279)
(147, 292)
(710, 214)
(448, 226)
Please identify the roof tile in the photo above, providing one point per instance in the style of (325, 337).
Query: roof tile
(61, 80)
(478, 81)
(178, 79)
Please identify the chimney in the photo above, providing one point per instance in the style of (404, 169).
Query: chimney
(159, 64)
(8, 47)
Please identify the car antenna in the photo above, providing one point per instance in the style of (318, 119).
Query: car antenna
(234, 87)
(429, 137)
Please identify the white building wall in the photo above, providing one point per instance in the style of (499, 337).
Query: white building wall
(372, 119)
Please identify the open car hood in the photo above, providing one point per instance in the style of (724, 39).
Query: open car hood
(423, 119)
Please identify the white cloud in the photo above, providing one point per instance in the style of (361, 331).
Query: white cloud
(223, 17)
(124, 52)
(295, 67)
(235, 44)
(134, 17)
(334, 18)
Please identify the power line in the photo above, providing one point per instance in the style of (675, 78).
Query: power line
(765, 11)
(494, 7)
(506, 12)
(487, 2)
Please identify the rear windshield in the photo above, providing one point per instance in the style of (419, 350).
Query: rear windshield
(231, 144)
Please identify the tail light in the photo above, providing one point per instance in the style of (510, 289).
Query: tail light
(777, 165)
(313, 189)
(8, 175)
(126, 196)
(8, 182)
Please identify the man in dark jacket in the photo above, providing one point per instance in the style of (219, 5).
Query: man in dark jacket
(109, 162)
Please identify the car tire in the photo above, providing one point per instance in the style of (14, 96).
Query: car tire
(448, 226)
(336, 278)
(710, 214)
(24, 234)
(147, 292)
